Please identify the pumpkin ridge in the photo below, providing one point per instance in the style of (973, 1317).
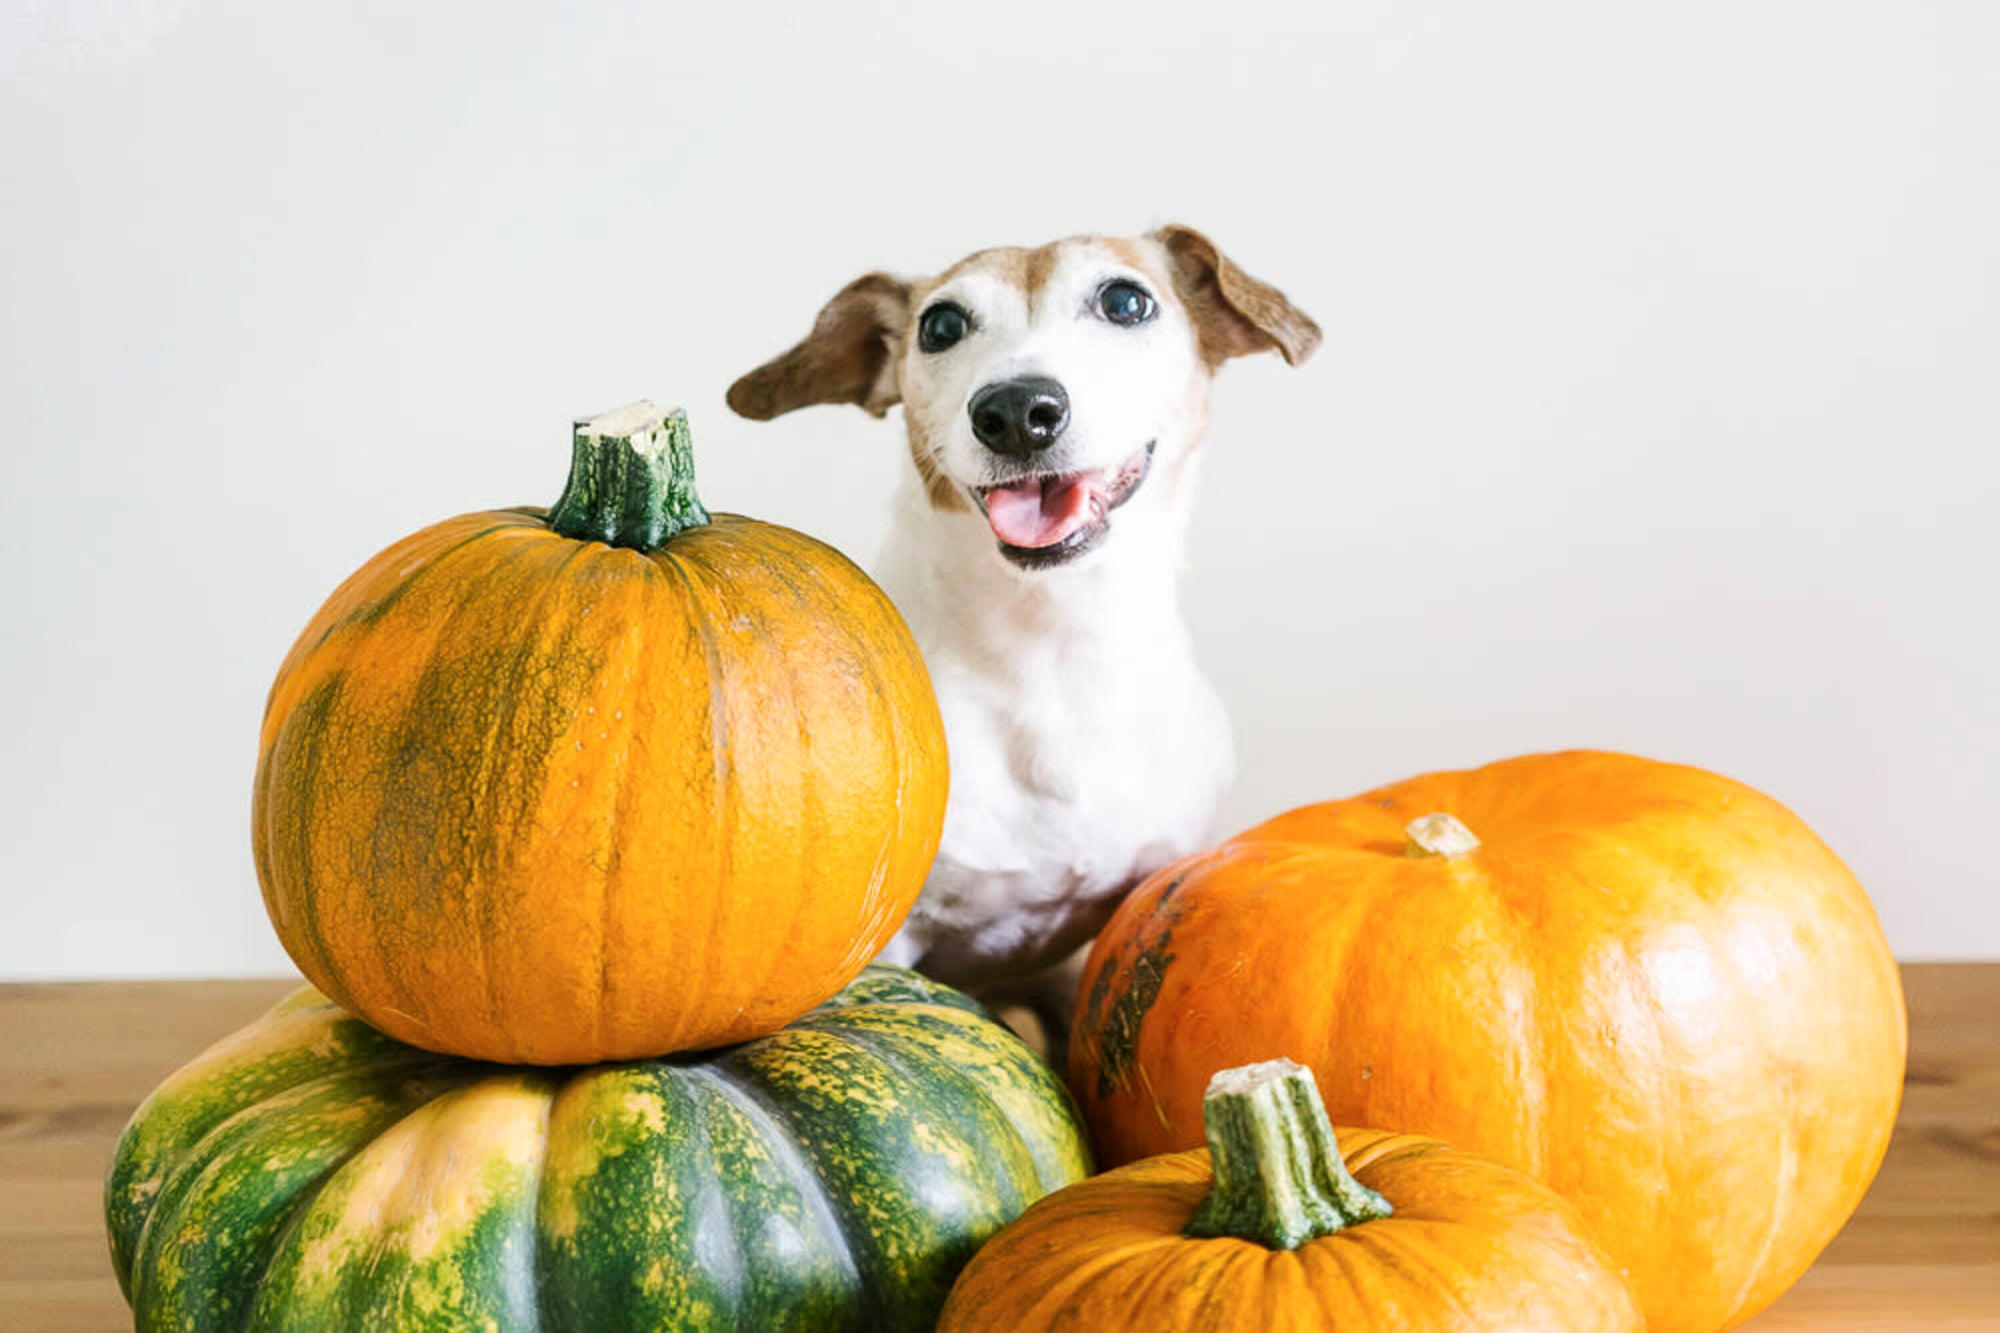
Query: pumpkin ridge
(414, 547)
(844, 581)
(1219, 1303)
(876, 685)
(236, 1071)
(530, 1263)
(879, 983)
(630, 652)
(1073, 1288)
(748, 1088)
(1354, 1280)
(1170, 1273)
(1326, 1293)
(1635, 995)
(722, 1266)
(795, 589)
(1381, 1147)
(865, 1173)
(362, 1101)
(1385, 1259)
(1528, 1071)
(1426, 1279)
(787, 569)
(458, 796)
(618, 1132)
(1351, 991)
(1659, 1031)
(308, 721)
(288, 1221)
(701, 629)
(607, 891)
(751, 1100)
(1092, 1268)
(905, 706)
(405, 1283)
(426, 570)
(1785, 1151)
(482, 907)
(366, 727)
(1370, 922)
(892, 1048)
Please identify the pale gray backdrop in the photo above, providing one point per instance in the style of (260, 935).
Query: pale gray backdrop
(1657, 408)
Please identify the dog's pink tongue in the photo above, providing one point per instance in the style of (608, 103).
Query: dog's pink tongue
(1041, 512)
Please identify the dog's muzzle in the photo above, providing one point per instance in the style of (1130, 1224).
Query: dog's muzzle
(1047, 519)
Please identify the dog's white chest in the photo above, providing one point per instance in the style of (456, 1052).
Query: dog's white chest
(1082, 760)
(1050, 824)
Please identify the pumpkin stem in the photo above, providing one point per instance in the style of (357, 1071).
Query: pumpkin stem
(1438, 835)
(1279, 1177)
(631, 479)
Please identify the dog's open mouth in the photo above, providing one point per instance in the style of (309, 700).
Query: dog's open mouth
(1045, 519)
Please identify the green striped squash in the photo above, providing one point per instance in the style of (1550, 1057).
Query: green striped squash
(309, 1173)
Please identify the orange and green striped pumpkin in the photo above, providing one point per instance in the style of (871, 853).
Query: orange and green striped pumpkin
(605, 782)
(311, 1174)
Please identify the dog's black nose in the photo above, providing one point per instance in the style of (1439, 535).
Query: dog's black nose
(1019, 416)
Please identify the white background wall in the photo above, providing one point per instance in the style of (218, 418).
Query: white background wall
(1658, 410)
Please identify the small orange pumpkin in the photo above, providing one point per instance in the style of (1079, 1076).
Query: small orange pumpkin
(1646, 985)
(600, 783)
(1267, 1230)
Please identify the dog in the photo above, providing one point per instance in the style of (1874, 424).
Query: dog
(1053, 400)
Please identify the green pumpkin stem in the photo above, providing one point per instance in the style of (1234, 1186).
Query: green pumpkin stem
(1279, 1177)
(631, 479)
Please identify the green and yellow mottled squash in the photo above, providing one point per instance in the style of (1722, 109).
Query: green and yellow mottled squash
(601, 783)
(309, 1173)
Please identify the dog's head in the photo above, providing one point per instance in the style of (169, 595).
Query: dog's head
(1042, 388)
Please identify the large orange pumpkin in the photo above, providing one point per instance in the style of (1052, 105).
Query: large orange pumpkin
(1268, 1230)
(1649, 986)
(601, 783)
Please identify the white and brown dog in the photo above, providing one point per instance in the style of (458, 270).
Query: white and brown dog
(1053, 398)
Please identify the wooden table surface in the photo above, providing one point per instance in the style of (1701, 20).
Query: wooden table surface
(1923, 1252)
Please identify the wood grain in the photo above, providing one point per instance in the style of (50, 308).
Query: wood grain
(1922, 1253)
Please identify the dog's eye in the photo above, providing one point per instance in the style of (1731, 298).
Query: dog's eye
(942, 326)
(1126, 303)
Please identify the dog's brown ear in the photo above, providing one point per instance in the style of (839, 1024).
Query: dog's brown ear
(1233, 313)
(849, 357)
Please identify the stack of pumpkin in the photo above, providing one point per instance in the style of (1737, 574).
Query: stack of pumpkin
(595, 817)
(582, 823)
